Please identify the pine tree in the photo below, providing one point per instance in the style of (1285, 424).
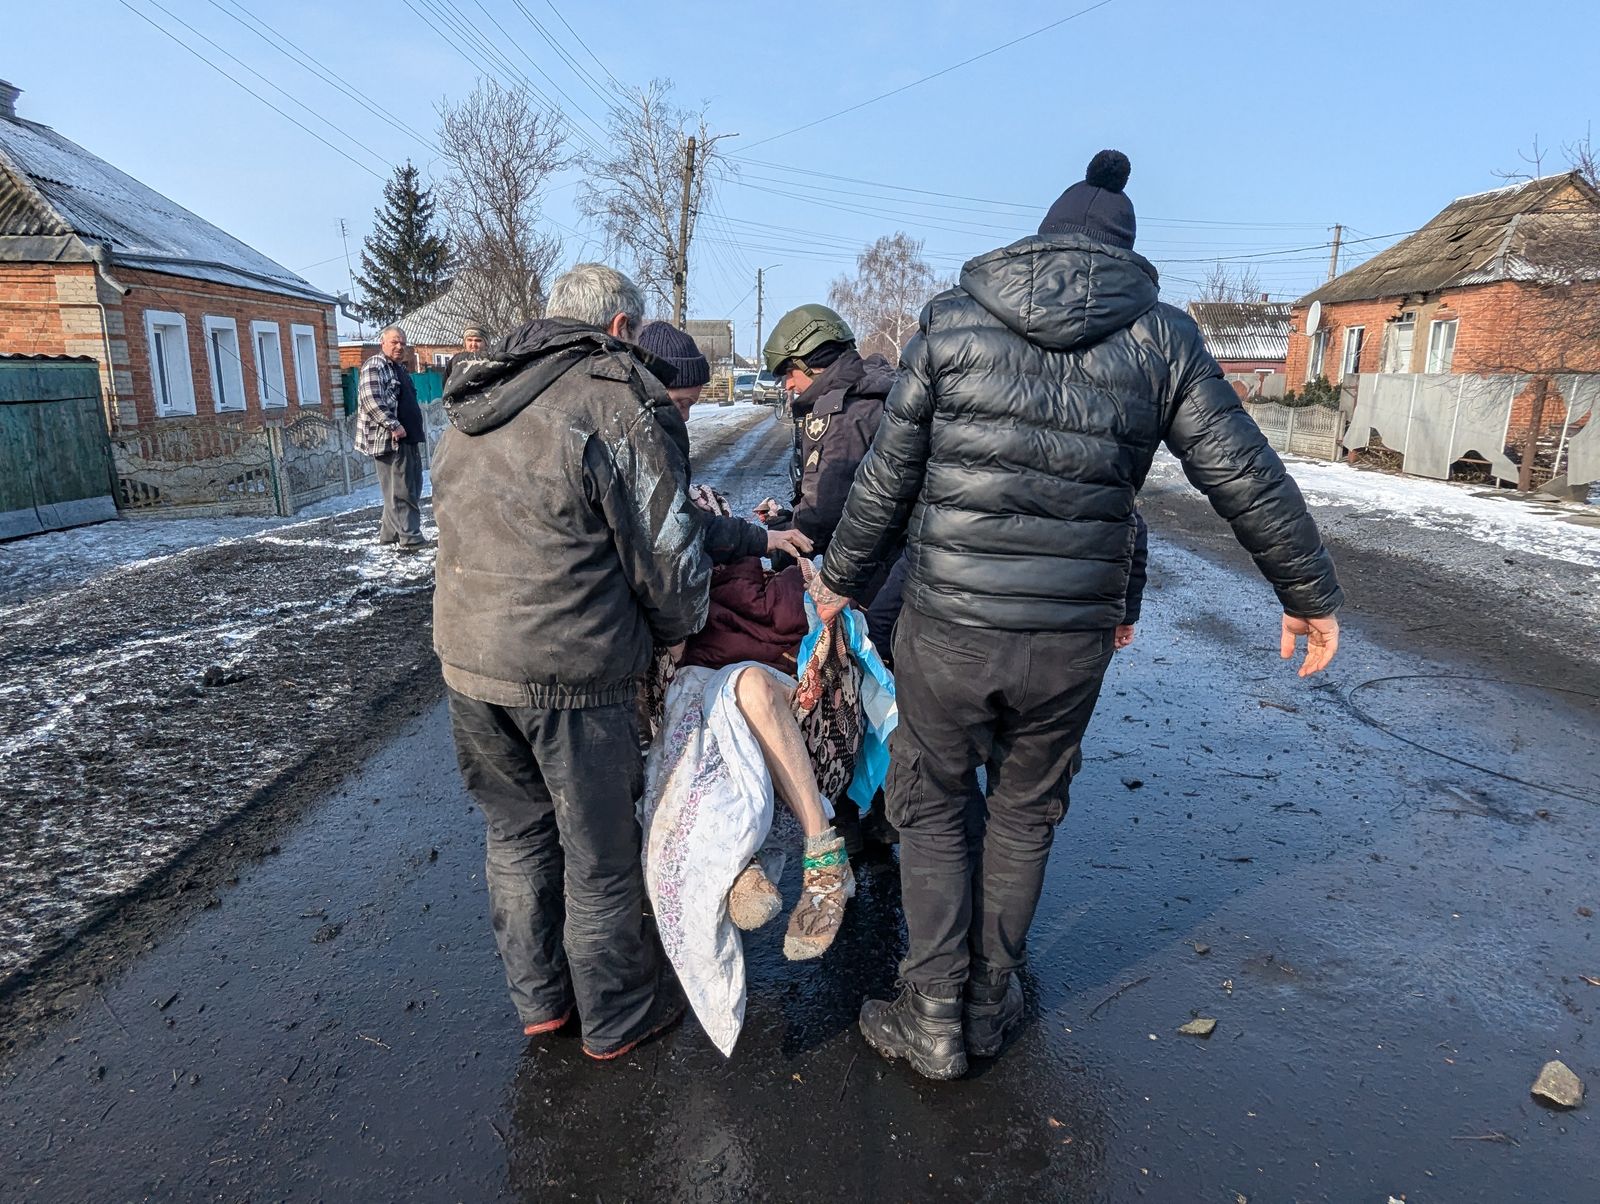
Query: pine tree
(405, 262)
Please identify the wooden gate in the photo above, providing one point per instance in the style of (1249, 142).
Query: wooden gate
(55, 455)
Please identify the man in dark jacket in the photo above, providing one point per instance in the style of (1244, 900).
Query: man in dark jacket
(1028, 410)
(837, 407)
(687, 372)
(568, 549)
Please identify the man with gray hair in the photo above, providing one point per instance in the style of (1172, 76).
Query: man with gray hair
(568, 549)
(389, 429)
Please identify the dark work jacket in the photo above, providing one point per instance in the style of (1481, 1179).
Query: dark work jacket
(838, 415)
(568, 546)
(1029, 407)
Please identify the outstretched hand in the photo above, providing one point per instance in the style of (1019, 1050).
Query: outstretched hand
(829, 604)
(795, 543)
(1322, 641)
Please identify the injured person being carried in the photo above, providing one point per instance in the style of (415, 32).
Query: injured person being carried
(763, 703)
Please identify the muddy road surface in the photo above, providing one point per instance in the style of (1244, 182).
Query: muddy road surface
(1381, 884)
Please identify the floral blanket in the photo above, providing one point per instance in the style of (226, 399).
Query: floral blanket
(707, 809)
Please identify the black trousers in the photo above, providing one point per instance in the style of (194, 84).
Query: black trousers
(566, 891)
(971, 870)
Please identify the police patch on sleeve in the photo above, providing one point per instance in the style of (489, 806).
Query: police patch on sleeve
(817, 426)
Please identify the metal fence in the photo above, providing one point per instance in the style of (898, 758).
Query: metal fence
(189, 468)
(1436, 420)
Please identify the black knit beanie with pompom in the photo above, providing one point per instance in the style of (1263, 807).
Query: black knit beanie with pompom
(1096, 206)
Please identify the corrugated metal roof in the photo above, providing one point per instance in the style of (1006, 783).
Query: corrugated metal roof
(52, 186)
(441, 321)
(1546, 229)
(1243, 330)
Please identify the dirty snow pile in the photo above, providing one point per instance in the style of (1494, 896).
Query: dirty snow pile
(1537, 527)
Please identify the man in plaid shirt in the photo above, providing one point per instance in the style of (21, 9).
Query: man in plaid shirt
(389, 429)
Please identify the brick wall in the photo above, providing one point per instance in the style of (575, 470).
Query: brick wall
(1501, 328)
(54, 309)
(50, 309)
(198, 299)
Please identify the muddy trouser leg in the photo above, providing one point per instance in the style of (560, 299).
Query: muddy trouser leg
(947, 685)
(387, 469)
(591, 761)
(524, 863)
(1037, 749)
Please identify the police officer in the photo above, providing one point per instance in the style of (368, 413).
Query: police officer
(838, 398)
(837, 405)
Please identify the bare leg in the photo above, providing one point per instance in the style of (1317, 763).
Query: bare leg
(764, 702)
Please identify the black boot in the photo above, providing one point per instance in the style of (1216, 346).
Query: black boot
(919, 1028)
(993, 1010)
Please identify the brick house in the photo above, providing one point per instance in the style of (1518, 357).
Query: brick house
(184, 320)
(1244, 336)
(1498, 282)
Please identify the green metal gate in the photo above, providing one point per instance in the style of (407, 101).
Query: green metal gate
(55, 454)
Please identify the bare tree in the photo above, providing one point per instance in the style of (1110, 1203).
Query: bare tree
(500, 149)
(1581, 155)
(635, 189)
(1230, 282)
(883, 299)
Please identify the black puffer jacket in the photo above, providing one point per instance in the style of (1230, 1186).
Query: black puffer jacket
(567, 542)
(1028, 409)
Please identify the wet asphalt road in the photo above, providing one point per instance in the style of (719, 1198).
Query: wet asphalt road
(1394, 943)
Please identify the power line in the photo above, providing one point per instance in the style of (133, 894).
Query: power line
(1029, 207)
(174, 37)
(156, 4)
(548, 79)
(615, 81)
(572, 63)
(942, 71)
(303, 59)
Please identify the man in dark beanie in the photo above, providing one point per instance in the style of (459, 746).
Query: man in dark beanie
(728, 538)
(1028, 409)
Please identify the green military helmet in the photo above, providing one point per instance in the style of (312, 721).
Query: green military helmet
(801, 331)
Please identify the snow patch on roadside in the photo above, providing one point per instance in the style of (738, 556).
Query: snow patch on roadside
(1533, 527)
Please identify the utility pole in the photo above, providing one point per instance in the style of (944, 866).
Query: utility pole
(757, 356)
(680, 279)
(350, 275)
(1333, 260)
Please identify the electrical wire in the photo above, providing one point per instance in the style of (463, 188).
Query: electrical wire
(301, 58)
(174, 37)
(935, 75)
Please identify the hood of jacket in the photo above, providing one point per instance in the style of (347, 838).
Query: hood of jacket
(1064, 291)
(493, 389)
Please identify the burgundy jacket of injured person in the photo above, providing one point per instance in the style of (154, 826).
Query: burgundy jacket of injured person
(754, 616)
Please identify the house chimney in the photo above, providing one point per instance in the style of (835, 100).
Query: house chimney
(8, 100)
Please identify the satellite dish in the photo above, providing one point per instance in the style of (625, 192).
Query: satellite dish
(1314, 317)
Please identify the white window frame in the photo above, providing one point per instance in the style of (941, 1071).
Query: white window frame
(171, 361)
(227, 369)
(441, 359)
(1355, 339)
(265, 382)
(1317, 355)
(306, 373)
(1437, 353)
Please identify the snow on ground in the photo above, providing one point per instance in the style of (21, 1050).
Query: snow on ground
(57, 560)
(1536, 527)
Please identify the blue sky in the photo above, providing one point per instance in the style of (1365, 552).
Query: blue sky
(1252, 127)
